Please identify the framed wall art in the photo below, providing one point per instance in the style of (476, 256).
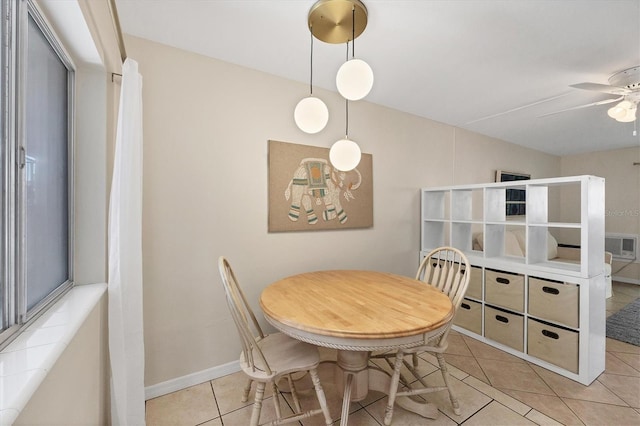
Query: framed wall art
(306, 193)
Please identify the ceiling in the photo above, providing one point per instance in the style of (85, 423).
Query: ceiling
(490, 66)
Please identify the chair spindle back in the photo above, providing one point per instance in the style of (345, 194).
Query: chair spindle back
(244, 319)
(447, 269)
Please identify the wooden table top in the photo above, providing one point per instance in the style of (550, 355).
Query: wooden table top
(357, 304)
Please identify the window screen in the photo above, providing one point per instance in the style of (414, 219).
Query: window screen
(45, 164)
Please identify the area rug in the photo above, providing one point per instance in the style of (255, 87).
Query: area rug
(624, 325)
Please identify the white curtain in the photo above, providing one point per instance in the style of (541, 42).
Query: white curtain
(126, 343)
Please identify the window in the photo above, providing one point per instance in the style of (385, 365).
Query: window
(516, 198)
(36, 165)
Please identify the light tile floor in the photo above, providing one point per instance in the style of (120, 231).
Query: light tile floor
(495, 388)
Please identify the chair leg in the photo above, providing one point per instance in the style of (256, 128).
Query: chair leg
(415, 359)
(445, 375)
(257, 404)
(276, 400)
(294, 394)
(322, 399)
(393, 389)
(247, 389)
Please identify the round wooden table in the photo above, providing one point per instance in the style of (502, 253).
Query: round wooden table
(357, 312)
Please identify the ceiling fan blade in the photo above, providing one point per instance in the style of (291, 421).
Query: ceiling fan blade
(604, 88)
(604, 102)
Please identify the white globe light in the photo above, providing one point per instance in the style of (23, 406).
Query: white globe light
(345, 155)
(311, 115)
(354, 79)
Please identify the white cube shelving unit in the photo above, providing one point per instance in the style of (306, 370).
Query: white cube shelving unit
(455, 215)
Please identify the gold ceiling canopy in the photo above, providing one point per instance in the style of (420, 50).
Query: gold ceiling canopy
(331, 20)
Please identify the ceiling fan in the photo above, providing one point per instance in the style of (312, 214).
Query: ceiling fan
(625, 84)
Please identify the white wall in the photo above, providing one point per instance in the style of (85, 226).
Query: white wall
(206, 129)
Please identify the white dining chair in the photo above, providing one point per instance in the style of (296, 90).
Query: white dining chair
(267, 358)
(448, 270)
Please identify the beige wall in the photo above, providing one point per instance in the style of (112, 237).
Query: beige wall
(206, 128)
(622, 194)
(477, 157)
(76, 390)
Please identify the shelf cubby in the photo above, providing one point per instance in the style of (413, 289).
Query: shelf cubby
(435, 205)
(495, 199)
(435, 233)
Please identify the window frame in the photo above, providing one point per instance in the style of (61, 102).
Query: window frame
(13, 255)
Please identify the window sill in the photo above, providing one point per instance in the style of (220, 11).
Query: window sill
(25, 362)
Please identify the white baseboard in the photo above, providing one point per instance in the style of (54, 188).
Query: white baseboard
(192, 379)
(625, 280)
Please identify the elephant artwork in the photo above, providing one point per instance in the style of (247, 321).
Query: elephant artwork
(317, 185)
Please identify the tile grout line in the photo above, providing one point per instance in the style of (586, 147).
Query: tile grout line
(599, 402)
(213, 391)
(559, 397)
(473, 414)
(461, 380)
(490, 385)
(479, 410)
(623, 361)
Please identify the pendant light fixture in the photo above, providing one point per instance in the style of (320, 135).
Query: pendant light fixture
(345, 154)
(311, 114)
(342, 21)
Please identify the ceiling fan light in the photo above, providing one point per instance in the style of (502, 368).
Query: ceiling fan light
(620, 110)
(345, 155)
(629, 116)
(354, 79)
(311, 115)
(616, 112)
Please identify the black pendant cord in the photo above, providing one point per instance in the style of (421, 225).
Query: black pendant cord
(353, 34)
(353, 54)
(346, 108)
(346, 103)
(311, 64)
